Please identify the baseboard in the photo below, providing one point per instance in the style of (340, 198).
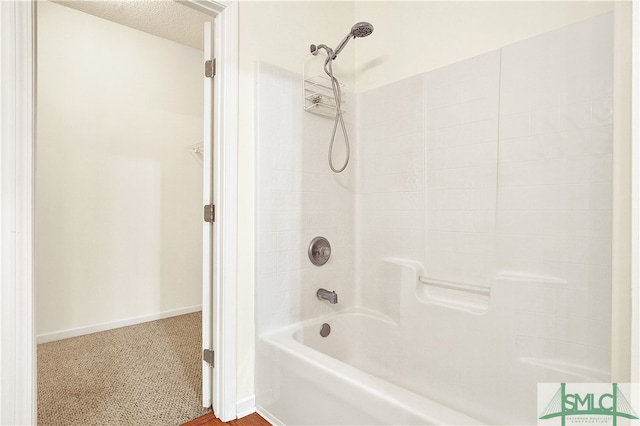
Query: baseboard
(81, 331)
(268, 416)
(246, 406)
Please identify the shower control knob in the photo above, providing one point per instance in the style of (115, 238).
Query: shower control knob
(323, 252)
(319, 251)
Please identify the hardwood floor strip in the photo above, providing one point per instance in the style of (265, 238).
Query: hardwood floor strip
(210, 419)
(207, 419)
(254, 419)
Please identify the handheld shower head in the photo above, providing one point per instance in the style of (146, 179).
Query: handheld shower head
(359, 30)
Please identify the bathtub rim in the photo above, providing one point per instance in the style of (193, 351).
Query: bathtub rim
(415, 405)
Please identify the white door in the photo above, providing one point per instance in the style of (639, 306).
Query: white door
(209, 230)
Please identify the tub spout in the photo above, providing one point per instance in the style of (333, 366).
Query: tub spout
(329, 296)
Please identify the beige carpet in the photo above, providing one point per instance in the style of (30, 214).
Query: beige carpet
(146, 374)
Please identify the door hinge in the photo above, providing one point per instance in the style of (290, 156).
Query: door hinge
(208, 356)
(210, 68)
(210, 213)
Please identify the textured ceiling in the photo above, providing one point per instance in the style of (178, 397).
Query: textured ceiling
(163, 18)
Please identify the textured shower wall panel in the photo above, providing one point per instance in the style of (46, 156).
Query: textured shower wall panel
(299, 198)
(515, 148)
(390, 198)
(461, 144)
(555, 194)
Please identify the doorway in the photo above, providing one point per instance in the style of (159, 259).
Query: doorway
(119, 112)
(18, 141)
(120, 121)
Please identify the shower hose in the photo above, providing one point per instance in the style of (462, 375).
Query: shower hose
(335, 84)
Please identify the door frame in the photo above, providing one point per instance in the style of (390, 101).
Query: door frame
(225, 107)
(18, 404)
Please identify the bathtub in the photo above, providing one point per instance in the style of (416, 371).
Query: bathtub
(345, 378)
(426, 356)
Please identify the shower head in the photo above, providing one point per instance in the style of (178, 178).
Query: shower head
(361, 29)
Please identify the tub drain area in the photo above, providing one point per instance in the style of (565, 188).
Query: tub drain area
(325, 330)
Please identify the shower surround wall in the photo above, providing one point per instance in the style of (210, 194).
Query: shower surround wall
(299, 198)
(496, 172)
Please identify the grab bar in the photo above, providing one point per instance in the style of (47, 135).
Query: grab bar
(450, 285)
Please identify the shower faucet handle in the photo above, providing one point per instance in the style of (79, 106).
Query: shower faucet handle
(319, 251)
(324, 252)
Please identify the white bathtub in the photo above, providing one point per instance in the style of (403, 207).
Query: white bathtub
(343, 379)
(426, 357)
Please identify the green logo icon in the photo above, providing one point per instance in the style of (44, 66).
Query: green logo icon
(565, 404)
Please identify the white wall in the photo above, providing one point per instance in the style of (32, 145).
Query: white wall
(118, 216)
(411, 37)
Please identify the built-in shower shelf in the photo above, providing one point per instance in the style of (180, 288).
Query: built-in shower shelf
(319, 97)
